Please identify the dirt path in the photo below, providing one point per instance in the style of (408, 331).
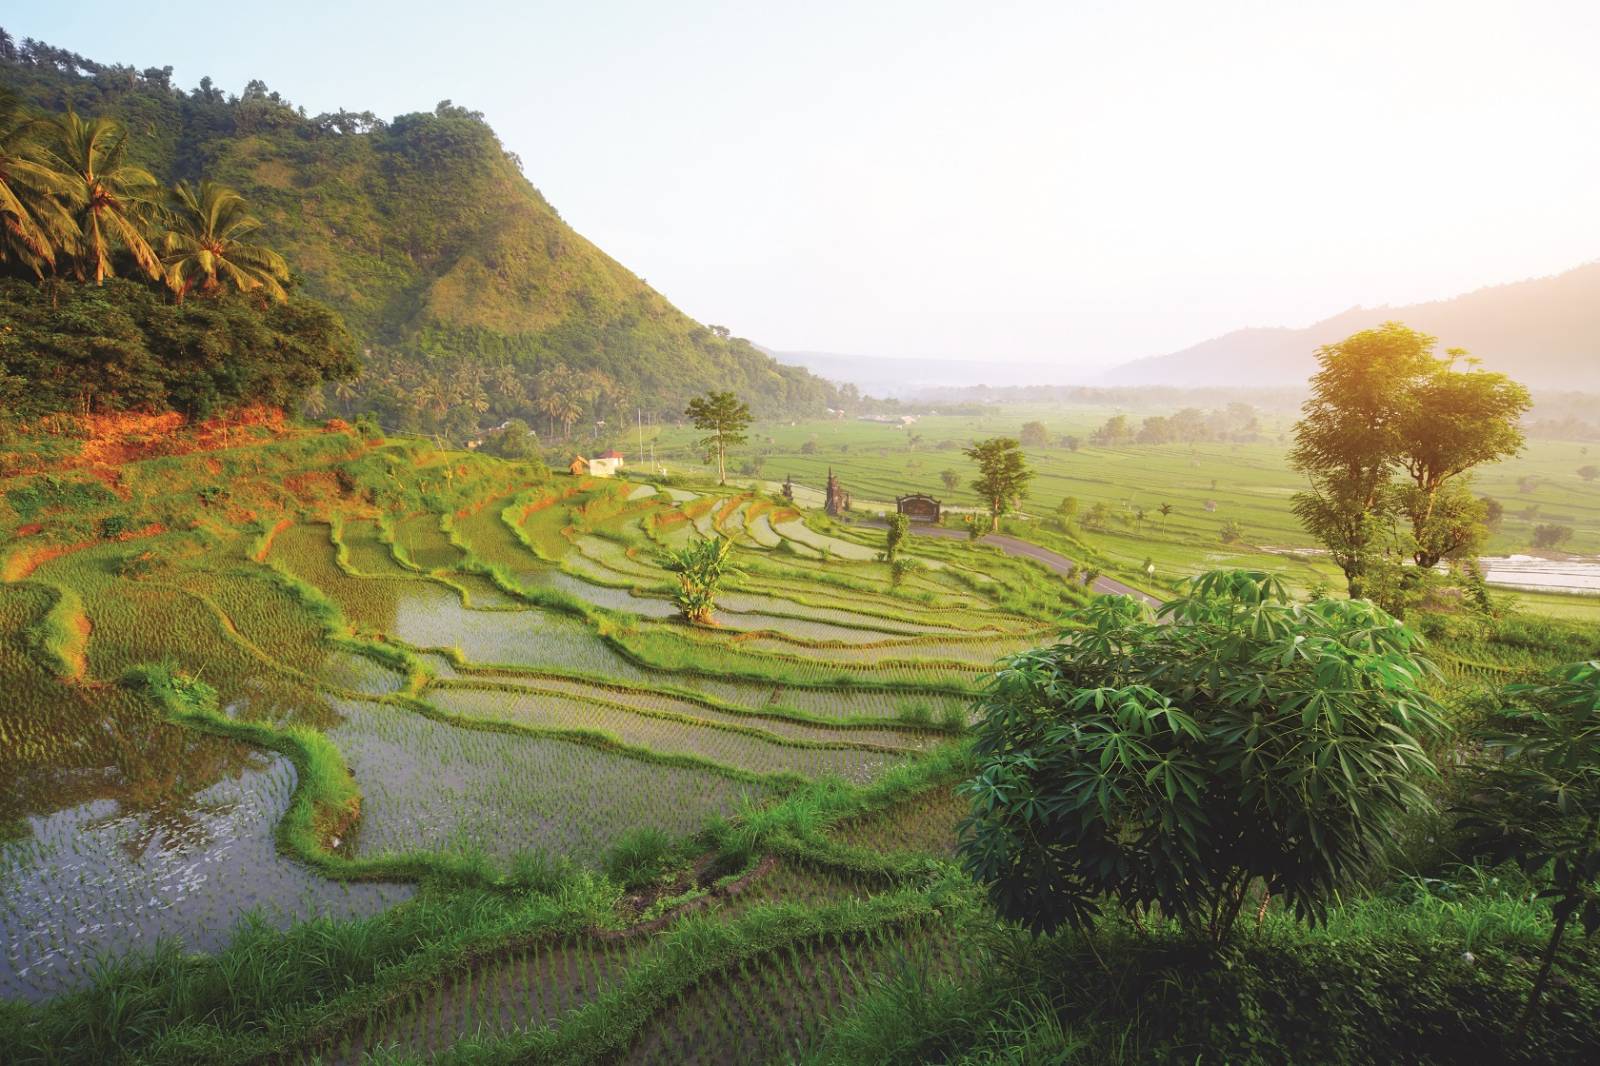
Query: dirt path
(1013, 546)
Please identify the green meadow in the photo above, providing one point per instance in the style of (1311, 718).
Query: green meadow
(1205, 485)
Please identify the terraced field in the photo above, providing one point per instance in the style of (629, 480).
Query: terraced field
(442, 678)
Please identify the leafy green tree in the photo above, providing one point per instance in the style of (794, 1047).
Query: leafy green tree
(725, 418)
(1535, 799)
(702, 566)
(1589, 473)
(1003, 475)
(1551, 535)
(515, 440)
(112, 201)
(1249, 740)
(1231, 532)
(1034, 435)
(895, 536)
(950, 478)
(1382, 403)
(1494, 512)
(1453, 420)
(1116, 430)
(205, 246)
(1349, 440)
(1067, 509)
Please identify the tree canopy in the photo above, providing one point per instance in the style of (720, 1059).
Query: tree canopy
(724, 417)
(1383, 405)
(1003, 475)
(1173, 765)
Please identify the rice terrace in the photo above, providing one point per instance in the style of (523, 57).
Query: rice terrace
(423, 643)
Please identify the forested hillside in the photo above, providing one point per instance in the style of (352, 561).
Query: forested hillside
(472, 298)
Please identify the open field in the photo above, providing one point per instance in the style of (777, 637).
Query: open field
(1204, 484)
(463, 755)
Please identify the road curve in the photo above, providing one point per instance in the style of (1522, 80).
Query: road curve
(1027, 550)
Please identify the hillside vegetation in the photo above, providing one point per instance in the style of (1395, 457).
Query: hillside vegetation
(425, 235)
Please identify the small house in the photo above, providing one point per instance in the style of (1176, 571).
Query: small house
(605, 465)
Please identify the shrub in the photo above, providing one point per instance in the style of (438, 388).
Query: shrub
(1174, 765)
(639, 856)
(1536, 799)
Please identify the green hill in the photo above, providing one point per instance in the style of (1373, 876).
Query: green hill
(424, 233)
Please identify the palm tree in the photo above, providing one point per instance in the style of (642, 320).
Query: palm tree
(111, 200)
(570, 412)
(345, 393)
(205, 245)
(33, 224)
(315, 403)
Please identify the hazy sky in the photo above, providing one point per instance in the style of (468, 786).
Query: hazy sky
(1076, 183)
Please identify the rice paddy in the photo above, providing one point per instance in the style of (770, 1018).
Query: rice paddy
(459, 723)
(434, 672)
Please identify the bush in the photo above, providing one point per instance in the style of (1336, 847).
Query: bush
(1177, 764)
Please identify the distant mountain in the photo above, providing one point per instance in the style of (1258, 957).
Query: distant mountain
(421, 231)
(1545, 332)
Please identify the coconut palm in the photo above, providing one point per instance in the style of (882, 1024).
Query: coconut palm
(111, 200)
(205, 246)
(33, 224)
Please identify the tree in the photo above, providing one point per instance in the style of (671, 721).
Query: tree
(1248, 740)
(1494, 512)
(1453, 420)
(205, 246)
(1551, 535)
(725, 418)
(1098, 517)
(1067, 509)
(898, 526)
(702, 567)
(1382, 403)
(1349, 439)
(950, 478)
(1116, 430)
(111, 200)
(1231, 532)
(514, 440)
(1589, 473)
(1003, 475)
(1034, 435)
(1071, 443)
(1534, 799)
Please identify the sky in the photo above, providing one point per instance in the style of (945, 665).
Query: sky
(1066, 183)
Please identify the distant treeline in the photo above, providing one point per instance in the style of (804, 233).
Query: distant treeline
(1236, 423)
(1132, 396)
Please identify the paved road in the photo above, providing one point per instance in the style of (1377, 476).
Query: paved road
(1012, 546)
